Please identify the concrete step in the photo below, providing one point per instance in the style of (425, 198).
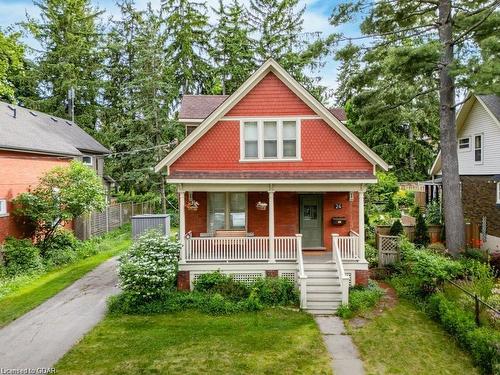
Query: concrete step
(324, 297)
(335, 288)
(321, 311)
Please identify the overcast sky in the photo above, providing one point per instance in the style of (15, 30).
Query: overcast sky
(315, 20)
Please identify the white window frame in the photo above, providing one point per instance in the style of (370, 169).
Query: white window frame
(227, 210)
(260, 140)
(482, 148)
(3, 207)
(498, 192)
(91, 164)
(464, 149)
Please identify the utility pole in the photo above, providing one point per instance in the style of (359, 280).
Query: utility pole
(71, 103)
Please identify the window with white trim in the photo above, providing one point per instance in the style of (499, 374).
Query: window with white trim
(3, 206)
(88, 160)
(478, 149)
(464, 144)
(498, 192)
(226, 211)
(270, 139)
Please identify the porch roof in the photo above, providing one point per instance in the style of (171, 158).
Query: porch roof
(297, 176)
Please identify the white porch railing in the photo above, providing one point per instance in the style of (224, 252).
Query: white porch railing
(344, 280)
(349, 246)
(302, 275)
(225, 249)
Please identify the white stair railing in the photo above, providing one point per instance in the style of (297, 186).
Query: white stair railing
(302, 274)
(344, 280)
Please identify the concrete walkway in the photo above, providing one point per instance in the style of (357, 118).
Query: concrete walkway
(41, 337)
(344, 353)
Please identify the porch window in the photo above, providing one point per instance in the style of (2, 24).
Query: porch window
(226, 211)
(478, 149)
(3, 207)
(270, 139)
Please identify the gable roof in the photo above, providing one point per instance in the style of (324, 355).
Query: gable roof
(492, 105)
(22, 129)
(272, 66)
(199, 106)
(339, 113)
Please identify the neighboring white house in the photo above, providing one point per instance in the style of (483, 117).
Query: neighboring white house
(478, 132)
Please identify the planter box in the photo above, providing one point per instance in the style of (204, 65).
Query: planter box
(435, 233)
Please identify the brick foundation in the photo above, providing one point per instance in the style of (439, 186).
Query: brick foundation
(183, 280)
(362, 277)
(271, 273)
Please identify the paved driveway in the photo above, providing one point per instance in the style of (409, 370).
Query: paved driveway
(42, 336)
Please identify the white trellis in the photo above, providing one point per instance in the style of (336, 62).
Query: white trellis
(388, 250)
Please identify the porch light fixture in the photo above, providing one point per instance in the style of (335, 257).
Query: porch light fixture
(192, 205)
(261, 206)
(351, 196)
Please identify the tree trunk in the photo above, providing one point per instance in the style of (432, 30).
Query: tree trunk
(453, 210)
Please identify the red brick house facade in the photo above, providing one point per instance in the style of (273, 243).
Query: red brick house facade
(32, 143)
(270, 182)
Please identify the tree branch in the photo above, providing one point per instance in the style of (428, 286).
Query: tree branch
(476, 25)
(409, 100)
(385, 34)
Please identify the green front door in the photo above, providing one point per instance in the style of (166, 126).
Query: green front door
(311, 220)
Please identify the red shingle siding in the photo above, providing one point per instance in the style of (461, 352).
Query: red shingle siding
(20, 171)
(270, 97)
(322, 150)
(196, 221)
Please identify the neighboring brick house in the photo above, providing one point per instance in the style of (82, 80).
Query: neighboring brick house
(266, 173)
(478, 133)
(32, 143)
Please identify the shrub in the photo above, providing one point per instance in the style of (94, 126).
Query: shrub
(21, 257)
(149, 268)
(88, 248)
(361, 299)
(433, 213)
(371, 255)
(60, 248)
(437, 248)
(482, 343)
(477, 254)
(421, 233)
(495, 263)
(275, 291)
(396, 228)
(216, 282)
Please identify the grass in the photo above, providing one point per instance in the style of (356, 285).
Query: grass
(27, 293)
(274, 341)
(404, 340)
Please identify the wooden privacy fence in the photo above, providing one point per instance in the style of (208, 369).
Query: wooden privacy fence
(388, 250)
(112, 217)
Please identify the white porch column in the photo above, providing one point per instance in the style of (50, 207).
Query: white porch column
(361, 210)
(182, 225)
(271, 227)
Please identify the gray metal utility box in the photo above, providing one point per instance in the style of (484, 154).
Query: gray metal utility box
(143, 223)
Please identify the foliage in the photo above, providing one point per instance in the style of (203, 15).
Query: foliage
(477, 254)
(275, 291)
(61, 249)
(396, 228)
(361, 299)
(482, 343)
(20, 257)
(225, 285)
(404, 199)
(62, 194)
(149, 268)
(12, 64)
(421, 231)
(433, 213)
(371, 255)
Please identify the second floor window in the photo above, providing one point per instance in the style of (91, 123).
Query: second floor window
(270, 139)
(478, 149)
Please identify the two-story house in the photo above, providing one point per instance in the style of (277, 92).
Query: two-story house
(478, 134)
(271, 183)
(31, 143)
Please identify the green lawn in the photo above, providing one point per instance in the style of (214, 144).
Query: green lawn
(32, 292)
(274, 341)
(404, 340)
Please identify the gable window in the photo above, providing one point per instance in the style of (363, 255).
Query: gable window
(226, 211)
(87, 160)
(478, 148)
(270, 139)
(3, 207)
(464, 144)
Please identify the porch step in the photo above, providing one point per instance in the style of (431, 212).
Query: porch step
(324, 294)
(324, 297)
(324, 288)
(313, 274)
(323, 307)
(320, 266)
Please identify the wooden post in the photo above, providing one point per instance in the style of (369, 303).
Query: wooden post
(476, 300)
(121, 214)
(361, 221)
(182, 225)
(271, 227)
(107, 219)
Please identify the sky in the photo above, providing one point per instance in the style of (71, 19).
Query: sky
(315, 20)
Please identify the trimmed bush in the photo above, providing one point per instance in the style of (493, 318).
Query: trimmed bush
(149, 268)
(275, 291)
(21, 257)
(421, 231)
(225, 285)
(396, 228)
(361, 299)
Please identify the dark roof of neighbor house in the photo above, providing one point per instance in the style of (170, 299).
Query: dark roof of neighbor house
(33, 131)
(270, 175)
(493, 104)
(201, 106)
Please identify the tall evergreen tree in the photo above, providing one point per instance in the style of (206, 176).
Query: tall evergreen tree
(186, 23)
(453, 35)
(69, 34)
(277, 27)
(233, 50)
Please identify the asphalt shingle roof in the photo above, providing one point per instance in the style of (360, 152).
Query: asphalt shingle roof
(493, 104)
(36, 131)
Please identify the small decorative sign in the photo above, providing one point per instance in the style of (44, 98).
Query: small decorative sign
(338, 206)
(261, 206)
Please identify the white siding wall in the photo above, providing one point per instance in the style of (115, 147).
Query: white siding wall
(480, 121)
